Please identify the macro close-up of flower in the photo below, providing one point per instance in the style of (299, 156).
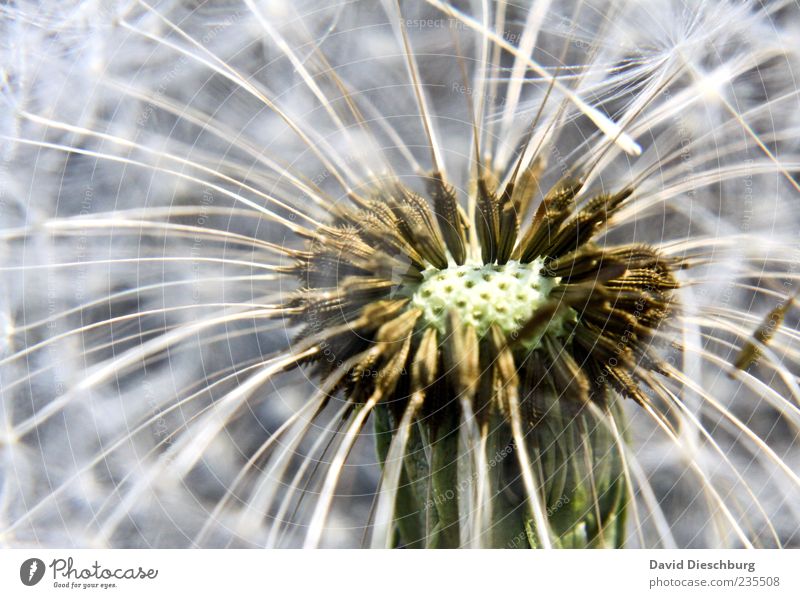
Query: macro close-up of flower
(400, 274)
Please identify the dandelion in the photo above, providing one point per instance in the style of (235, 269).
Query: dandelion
(399, 274)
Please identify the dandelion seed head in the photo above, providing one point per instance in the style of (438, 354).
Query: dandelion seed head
(233, 235)
(483, 295)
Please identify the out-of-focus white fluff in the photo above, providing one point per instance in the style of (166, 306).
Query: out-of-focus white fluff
(123, 122)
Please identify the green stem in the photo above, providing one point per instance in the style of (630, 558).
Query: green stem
(577, 459)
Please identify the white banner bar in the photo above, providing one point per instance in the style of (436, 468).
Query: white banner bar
(399, 574)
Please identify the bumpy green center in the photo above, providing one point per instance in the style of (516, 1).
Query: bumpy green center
(483, 294)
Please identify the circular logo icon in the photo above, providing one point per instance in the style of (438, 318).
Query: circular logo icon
(31, 572)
